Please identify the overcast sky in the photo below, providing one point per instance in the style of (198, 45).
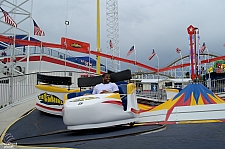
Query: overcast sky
(158, 24)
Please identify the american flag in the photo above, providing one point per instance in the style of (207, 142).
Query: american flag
(202, 49)
(178, 50)
(152, 55)
(8, 19)
(130, 51)
(110, 44)
(37, 30)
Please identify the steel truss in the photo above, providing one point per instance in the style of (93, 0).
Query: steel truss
(112, 27)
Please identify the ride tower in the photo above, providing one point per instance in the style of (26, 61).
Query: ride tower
(112, 27)
(17, 24)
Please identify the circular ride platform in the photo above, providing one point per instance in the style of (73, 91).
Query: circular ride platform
(37, 128)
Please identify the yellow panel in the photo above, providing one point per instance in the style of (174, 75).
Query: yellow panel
(131, 88)
(217, 100)
(50, 88)
(144, 107)
(115, 96)
(200, 101)
(166, 105)
(172, 90)
(65, 98)
(193, 101)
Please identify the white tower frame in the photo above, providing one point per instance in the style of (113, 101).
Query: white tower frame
(18, 10)
(112, 27)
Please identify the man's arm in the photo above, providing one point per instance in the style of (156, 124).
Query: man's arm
(94, 90)
(115, 88)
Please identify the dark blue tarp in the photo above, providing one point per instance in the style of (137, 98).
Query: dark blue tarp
(82, 60)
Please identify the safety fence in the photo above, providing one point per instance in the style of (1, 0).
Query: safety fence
(16, 89)
(216, 86)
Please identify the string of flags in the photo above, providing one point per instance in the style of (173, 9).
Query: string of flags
(133, 48)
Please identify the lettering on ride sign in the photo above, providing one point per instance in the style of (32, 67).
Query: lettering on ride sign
(83, 98)
(50, 99)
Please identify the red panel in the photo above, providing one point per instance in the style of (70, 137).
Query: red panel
(123, 60)
(75, 45)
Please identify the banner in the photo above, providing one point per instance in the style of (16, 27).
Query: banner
(75, 45)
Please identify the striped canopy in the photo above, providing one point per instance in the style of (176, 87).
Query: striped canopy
(191, 95)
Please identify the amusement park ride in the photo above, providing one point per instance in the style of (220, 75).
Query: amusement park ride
(82, 110)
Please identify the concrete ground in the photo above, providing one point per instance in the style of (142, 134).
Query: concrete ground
(185, 136)
(11, 114)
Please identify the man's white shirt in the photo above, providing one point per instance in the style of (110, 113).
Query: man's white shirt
(110, 87)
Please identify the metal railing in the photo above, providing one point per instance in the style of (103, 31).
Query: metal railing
(154, 95)
(216, 86)
(21, 51)
(20, 88)
(16, 89)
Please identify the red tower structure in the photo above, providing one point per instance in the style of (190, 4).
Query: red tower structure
(191, 32)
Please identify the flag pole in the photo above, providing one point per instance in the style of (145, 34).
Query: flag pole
(158, 75)
(199, 68)
(28, 48)
(89, 67)
(98, 72)
(65, 43)
(182, 70)
(40, 57)
(12, 54)
(12, 66)
(113, 63)
(135, 63)
(209, 79)
(106, 63)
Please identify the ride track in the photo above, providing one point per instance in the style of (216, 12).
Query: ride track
(64, 45)
(55, 132)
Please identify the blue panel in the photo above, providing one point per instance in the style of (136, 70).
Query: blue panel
(24, 37)
(124, 102)
(122, 89)
(84, 58)
(72, 95)
(154, 87)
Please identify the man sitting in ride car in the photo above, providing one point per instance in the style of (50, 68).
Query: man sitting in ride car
(106, 86)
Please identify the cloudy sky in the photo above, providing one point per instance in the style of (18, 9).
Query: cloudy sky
(158, 24)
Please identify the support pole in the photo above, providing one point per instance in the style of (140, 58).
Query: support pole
(182, 70)
(158, 75)
(209, 79)
(98, 37)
